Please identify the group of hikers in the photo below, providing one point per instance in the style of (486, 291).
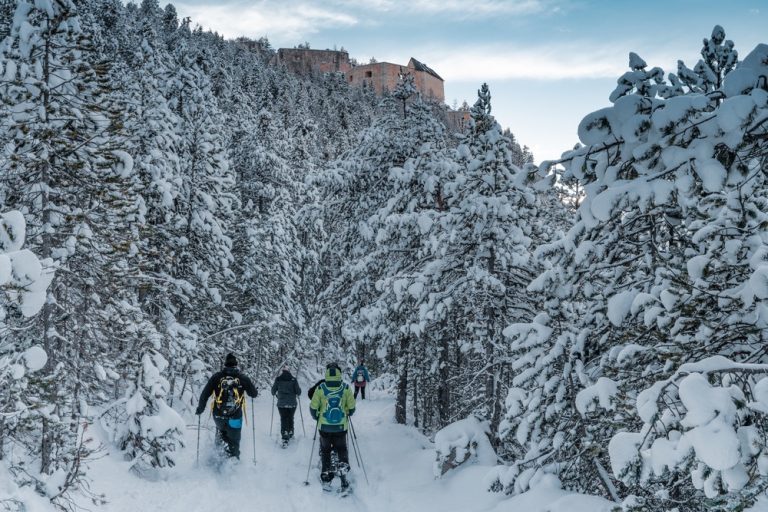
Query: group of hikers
(332, 403)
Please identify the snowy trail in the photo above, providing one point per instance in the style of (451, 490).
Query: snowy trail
(398, 460)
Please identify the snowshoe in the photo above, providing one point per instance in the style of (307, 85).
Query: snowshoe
(327, 487)
(346, 488)
(284, 443)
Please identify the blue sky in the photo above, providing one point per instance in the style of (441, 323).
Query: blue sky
(548, 62)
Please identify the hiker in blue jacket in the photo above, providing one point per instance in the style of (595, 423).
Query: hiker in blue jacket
(360, 378)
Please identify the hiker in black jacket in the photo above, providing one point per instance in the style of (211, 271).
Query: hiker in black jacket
(286, 389)
(228, 388)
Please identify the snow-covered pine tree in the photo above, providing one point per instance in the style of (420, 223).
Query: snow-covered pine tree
(398, 265)
(205, 206)
(61, 170)
(267, 248)
(718, 59)
(484, 248)
(702, 388)
(351, 189)
(23, 282)
(652, 300)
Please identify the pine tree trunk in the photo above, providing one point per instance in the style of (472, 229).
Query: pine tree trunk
(443, 390)
(402, 397)
(416, 406)
(45, 447)
(2, 437)
(402, 384)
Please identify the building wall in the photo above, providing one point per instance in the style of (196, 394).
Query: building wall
(457, 120)
(383, 76)
(306, 62)
(430, 86)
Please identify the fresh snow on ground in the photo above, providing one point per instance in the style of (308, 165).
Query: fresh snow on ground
(399, 461)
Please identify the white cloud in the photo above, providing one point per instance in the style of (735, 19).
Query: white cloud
(286, 21)
(482, 7)
(452, 7)
(548, 62)
(296, 19)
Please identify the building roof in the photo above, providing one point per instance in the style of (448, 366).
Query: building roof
(311, 50)
(420, 66)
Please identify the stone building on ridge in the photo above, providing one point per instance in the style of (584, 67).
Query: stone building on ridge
(380, 76)
(383, 76)
(304, 61)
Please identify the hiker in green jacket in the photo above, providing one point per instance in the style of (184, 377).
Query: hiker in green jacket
(332, 405)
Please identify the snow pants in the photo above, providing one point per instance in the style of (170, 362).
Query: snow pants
(228, 434)
(360, 389)
(286, 421)
(330, 441)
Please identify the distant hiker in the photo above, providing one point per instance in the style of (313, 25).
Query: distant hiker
(360, 378)
(228, 388)
(332, 404)
(286, 389)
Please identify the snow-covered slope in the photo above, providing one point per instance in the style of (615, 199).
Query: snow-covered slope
(398, 459)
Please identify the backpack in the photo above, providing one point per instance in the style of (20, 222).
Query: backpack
(229, 397)
(333, 414)
(311, 391)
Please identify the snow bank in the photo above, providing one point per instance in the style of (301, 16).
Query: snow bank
(547, 495)
(13, 497)
(462, 441)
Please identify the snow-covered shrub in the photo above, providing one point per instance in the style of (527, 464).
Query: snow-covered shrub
(152, 432)
(464, 441)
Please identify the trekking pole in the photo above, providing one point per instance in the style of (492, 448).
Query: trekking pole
(197, 458)
(272, 419)
(301, 413)
(354, 442)
(312, 452)
(354, 450)
(253, 429)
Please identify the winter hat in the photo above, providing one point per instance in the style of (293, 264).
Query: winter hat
(230, 361)
(333, 373)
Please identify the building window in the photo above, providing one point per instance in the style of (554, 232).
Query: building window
(369, 74)
(351, 78)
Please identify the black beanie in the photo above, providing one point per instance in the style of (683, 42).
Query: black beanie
(230, 360)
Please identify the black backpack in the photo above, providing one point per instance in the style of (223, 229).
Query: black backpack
(311, 391)
(229, 397)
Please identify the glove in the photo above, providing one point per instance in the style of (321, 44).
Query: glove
(200, 409)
